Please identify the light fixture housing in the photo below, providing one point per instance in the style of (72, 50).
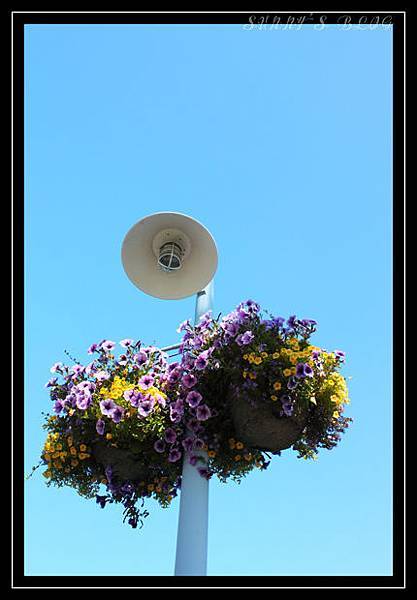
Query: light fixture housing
(169, 255)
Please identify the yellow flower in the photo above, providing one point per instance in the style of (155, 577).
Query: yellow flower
(83, 456)
(83, 447)
(74, 462)
(239, 445)
(252, 375)
(275, 355)
(247, 457)
(293, 359)
(73, 450)
(62, 454)
(47, 473)
(287, 372)
(109, 436)
(238, 457)
(55, 455)
(336, 414)
(274, 398)
(258, 360)
(245, 374)
(57, 464)
(293, 342)
(277, 385)
(59, 446)
(245, 357)
(211, 453)
(293, 370)
(264, 354)
(69, 441)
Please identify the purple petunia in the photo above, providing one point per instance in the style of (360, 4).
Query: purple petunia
(86, 385)
(52, 382)
(340, 355)
(170, 436)
(292, 383)
(299, 370)
(71, 400)
(107, 406)
(117, 414)
(189, 380)
(193, 399)
(76, 370)
(303, 370)
(174, 455)
(107, 345)
(140, 358)
(204, 472)
(183, 326)
(188, 444)
(198, 444)
(201, 361)
(102, 375)
(308, 371)
(58, 406)
(231, 328)
(159, 446)
(92, 348)
(203, 412)
(133, 396)
(245, 338)
(145, 406)
(83, 401)
(174, 375)
(126, 343)
(160, 400)
(174, 415)
(287, 410)
(100, 426)
(146, 382)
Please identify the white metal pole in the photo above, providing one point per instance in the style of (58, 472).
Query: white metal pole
(191, 556)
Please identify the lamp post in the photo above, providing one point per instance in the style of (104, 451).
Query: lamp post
(172, 256)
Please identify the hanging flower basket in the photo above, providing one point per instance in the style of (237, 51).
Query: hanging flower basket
(260, 425)
(244, 385)
(124, 464)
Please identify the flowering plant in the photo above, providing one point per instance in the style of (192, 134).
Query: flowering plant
(123, 424)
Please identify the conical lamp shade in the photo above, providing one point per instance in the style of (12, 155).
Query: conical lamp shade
(140, 255)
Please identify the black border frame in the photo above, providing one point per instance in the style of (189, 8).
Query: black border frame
(17, 578)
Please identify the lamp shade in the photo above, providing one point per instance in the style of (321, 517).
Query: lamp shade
(169, 255)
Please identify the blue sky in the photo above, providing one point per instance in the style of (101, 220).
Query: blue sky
(280, 143)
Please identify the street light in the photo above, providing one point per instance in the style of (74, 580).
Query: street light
(169, 255)
(172, 256)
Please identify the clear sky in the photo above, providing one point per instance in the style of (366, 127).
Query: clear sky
(279, 142)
